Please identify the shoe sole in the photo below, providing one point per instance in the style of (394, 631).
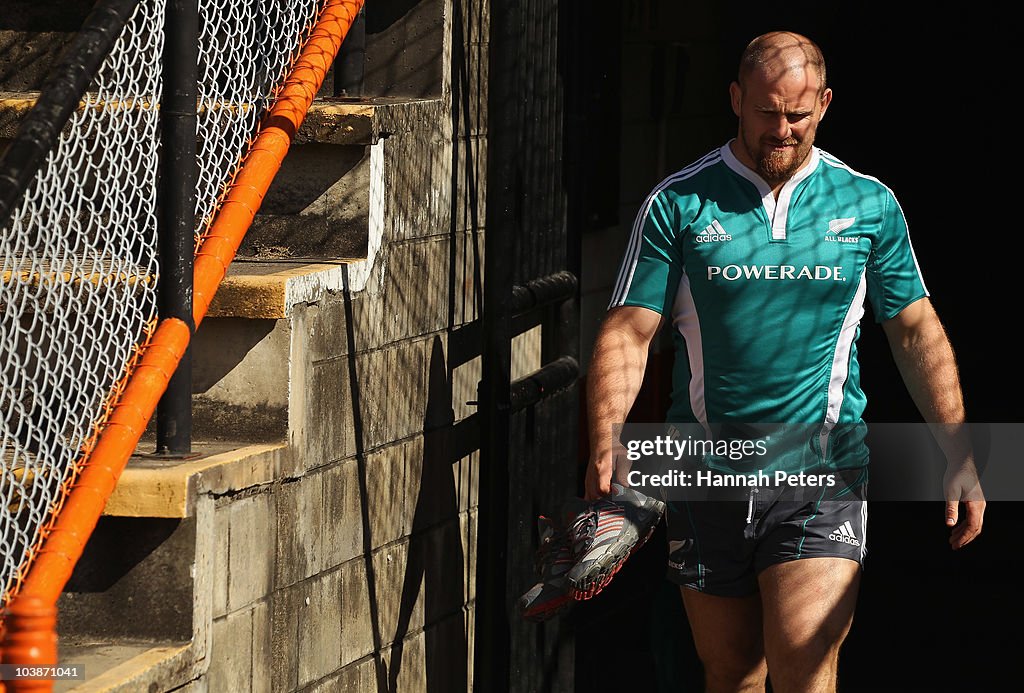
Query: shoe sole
(589, 583)
(549, 609)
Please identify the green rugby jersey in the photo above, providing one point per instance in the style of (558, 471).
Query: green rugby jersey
(766, 296)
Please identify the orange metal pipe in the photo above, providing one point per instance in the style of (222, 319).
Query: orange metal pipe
(65, 542)
(63, 546)
(30, 641)
(268, 151)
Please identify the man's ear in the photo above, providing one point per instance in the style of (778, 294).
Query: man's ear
(826, 99)
(736, 97)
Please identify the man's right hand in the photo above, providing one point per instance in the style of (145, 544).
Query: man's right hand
(599, 477)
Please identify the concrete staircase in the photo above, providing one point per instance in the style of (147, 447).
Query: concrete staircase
(322, 535)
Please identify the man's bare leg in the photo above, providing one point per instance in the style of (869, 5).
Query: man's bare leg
(727, 632)
(808, 610)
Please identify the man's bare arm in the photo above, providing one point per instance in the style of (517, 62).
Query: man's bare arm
(615, 375)
(926, 361)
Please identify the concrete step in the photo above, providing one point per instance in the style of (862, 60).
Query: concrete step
(137, 613)
(249, 356)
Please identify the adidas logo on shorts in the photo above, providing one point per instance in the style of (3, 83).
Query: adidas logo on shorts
(844, 534)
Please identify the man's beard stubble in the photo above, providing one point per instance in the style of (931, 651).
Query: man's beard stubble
(779, 167)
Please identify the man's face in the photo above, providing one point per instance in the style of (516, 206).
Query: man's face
(779, 115)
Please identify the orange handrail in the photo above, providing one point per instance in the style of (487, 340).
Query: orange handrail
(65, 541)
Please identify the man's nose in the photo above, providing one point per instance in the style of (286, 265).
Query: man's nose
(781, 128)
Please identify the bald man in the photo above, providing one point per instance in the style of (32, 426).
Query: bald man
(761, 256)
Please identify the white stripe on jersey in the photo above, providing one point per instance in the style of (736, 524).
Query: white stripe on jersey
(686, 320)
(632, 255)
(841, 364)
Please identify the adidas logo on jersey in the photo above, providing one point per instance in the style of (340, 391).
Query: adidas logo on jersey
(836, 226)
(844, 534)
(713, 232)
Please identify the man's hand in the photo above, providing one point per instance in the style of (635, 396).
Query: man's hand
(603, 469)
(962, 486)
(599, 477)
(926, 361)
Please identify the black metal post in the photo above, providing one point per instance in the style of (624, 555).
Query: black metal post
(492, 643)
(543, 291)
(178, 179)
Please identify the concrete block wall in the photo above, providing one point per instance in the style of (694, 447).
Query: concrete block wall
(355, 569)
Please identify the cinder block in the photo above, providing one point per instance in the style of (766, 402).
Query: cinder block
(375, 373)
(343, 514)
(469, 76)
(406, 665)
(262, 649)
(417, 167)
(231, 655)
(359, 677)
(325, 432)
(386, 487)
(300, 529)
(445, 568)
(357, 637)
(367, 327)
(413, 452)
(252, 523)
(221, 543)
(325, 327)
(468, 470)
(469, 275)
(285, 605)
(475, 16)
(445, 654)
(410, 379)
(399, 590)
(320, 627)
(431, 482)
(471, 182)
(416, 288)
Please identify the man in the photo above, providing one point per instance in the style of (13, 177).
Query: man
(761, 255)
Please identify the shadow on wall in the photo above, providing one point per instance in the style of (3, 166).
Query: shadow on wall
(436, 557)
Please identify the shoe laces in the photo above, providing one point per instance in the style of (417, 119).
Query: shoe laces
(554, 548)
(582, 530)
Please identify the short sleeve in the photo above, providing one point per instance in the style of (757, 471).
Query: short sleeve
(652, 265)
(893, 276)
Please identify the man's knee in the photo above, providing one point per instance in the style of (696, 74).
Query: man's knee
(737, 666)
(806, 661)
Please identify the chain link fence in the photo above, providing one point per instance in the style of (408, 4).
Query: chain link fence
(78, 290)
(245, 51)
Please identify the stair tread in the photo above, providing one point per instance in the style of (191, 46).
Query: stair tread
(332, 120)
(153, 486)
(106, 665)
(269, 290)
